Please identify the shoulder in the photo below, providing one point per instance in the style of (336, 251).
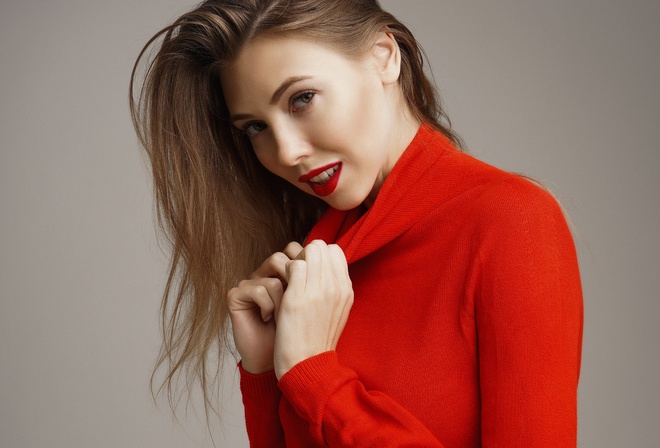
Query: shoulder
(477, 199)
(487, 192)
(517, 201)
(498, 204)
(517, 218)
(515, 195)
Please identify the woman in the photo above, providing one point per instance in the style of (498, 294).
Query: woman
(383, 287)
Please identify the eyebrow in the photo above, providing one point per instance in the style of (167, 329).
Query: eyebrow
(276, 95)
(285, 85)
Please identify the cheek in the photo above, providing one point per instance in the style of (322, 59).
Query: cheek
(349, 117)
(364, 133)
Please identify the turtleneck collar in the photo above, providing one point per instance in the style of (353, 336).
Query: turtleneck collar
(403, 198)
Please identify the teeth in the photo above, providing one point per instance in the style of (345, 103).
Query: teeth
(324, 176)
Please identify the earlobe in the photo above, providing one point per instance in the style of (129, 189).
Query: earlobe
(387, 57)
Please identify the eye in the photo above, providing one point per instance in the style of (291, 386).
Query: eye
(300, 102)
(253, 128)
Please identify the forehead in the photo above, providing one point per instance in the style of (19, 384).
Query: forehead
(266, 62)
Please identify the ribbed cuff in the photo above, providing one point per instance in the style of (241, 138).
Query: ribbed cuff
(263, 384)
(309, 384)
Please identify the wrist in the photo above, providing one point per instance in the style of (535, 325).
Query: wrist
(282, 365)
(255, 369)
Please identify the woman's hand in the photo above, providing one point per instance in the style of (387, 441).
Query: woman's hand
(315, 306)
(253, 308)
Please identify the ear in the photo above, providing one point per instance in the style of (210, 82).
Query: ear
(387, 58)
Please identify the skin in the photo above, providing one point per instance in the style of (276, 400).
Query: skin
(305, 106)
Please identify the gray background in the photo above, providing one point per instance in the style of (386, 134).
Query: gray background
(565, 91)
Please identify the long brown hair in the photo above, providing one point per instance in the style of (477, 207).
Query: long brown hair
(221, 211)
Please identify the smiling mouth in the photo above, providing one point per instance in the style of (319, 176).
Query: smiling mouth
(323, 181)
(324, 176)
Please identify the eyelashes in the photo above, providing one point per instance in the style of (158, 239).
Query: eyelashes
(297, 104)
(301, 100)
(252, 128)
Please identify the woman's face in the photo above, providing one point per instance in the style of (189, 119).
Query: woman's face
(324, 122)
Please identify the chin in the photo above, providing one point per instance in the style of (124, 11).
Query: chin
(345, 204)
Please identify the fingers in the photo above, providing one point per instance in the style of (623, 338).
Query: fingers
(325, 264)
(275, 265)
(314, 255)
(292, 250)
(264, 293)
(340, 270)
(297, 276)
(254, 309)
(265, 287)
(344, 290)
(323, 274)
(315, 306)
(304, 274)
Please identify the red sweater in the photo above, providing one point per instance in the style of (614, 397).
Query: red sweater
(466, 329)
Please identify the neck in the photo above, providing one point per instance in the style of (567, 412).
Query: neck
(404, 128)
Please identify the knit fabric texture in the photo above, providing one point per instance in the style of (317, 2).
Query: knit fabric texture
(466, 329)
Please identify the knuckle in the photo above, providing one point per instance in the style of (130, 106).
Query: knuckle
(312, 249)
(337, 251)
(297, 264)
(290, 305)
(273, 284)
(292, 246)
(269, 282)
(320, 243)
(279, 257)
(260, 290)
(334, 291)
(274, 260)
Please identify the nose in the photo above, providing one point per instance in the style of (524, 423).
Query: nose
(291, 145)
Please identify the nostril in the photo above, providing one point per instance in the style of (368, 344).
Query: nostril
(291, 153)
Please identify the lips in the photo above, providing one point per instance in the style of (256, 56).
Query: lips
(323, 181)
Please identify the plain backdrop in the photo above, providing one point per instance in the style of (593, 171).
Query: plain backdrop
(564, 91)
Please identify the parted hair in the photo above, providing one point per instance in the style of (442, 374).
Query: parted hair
(220, 211)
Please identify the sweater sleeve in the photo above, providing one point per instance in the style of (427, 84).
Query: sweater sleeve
(529, 316)
(342, 413)
(261, 398)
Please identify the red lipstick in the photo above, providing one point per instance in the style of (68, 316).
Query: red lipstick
(324, 186)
